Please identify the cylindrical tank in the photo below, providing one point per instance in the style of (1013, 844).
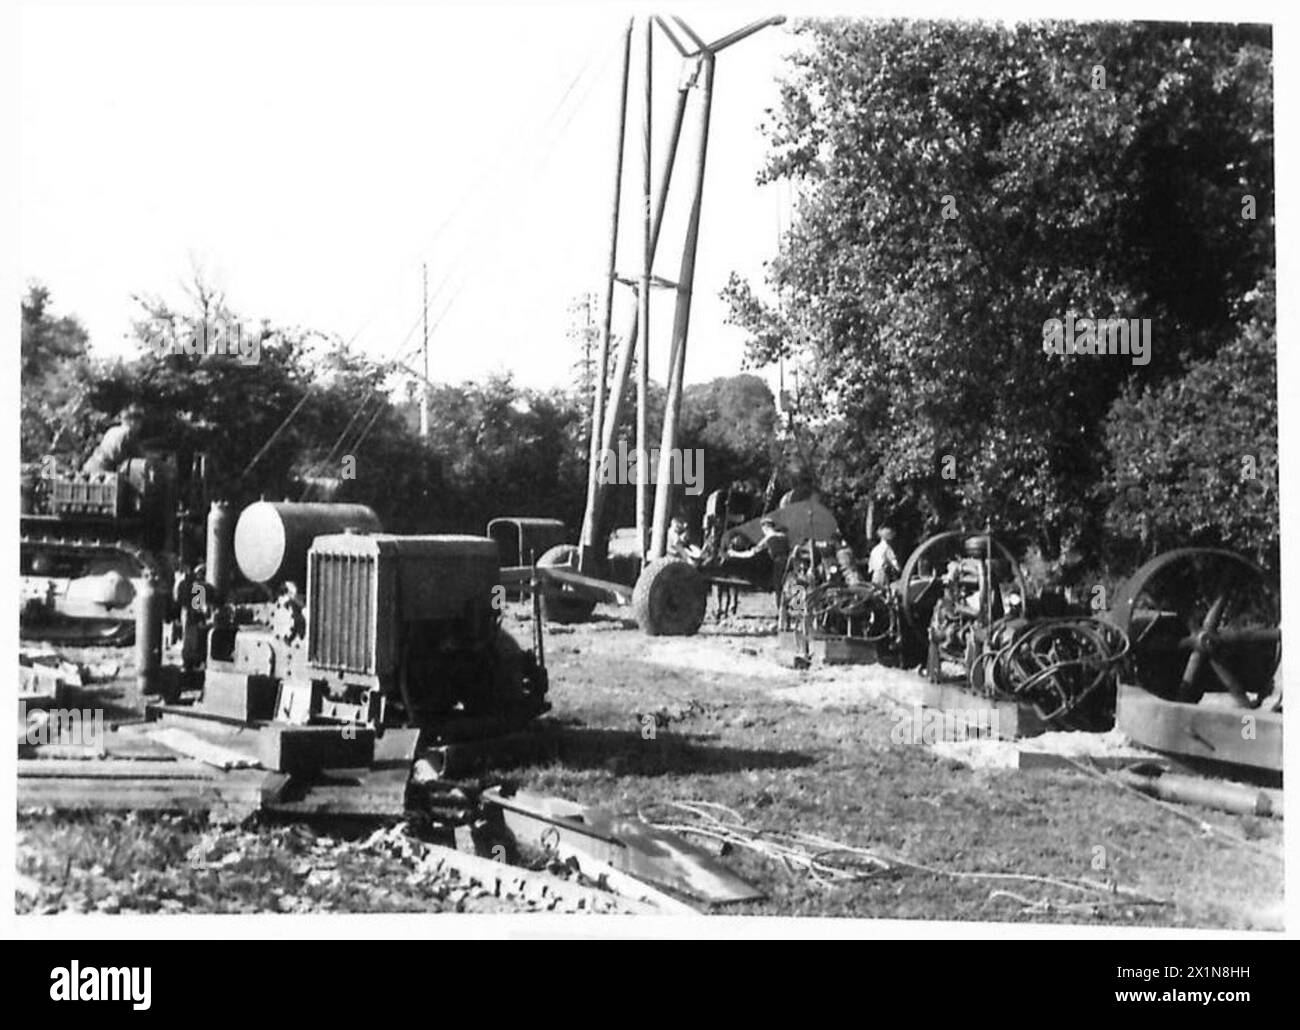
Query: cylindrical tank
(149, 603)
(272, 537)
(220, 555)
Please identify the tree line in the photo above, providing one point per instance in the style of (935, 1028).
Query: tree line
(960, 185)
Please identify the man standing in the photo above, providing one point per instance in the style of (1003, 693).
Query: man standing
(119, 445)
(882, 565)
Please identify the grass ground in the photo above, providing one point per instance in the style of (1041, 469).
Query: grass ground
(808, 751)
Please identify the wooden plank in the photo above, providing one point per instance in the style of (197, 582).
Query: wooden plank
(205, 751)
(842, 650)
(237, 736)
(1011, 719)
(1046, 761)
(1239, 736)
(109, 769)
(232, 795)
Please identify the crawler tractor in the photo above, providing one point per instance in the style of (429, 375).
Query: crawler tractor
(89, 537)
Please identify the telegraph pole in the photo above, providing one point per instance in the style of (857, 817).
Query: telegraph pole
(424, 386)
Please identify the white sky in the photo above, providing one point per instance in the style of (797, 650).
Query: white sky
(309, 159)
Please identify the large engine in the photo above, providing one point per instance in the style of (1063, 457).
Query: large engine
(391, 630)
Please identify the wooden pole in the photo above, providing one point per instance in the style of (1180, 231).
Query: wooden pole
(424, 386)
(619, 381)
(597, 452)
(682, 316)
(643, 344)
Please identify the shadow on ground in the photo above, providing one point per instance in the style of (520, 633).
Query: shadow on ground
(627, 752)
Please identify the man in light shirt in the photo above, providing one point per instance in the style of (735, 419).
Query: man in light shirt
(882, 565)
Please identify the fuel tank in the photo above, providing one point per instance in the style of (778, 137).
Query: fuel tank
(272, 537)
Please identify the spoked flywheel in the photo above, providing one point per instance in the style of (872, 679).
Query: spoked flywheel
(1200, 620)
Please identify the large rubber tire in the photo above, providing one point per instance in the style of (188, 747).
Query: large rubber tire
(669, 599)
(564, 608)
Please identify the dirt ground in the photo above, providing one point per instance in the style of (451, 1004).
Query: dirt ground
(785, 750)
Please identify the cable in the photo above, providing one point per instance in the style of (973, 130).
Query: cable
(475, 187)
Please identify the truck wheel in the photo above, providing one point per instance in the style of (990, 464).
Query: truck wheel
(564, 607)
(669, 598)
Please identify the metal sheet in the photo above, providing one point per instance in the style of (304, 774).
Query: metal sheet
(628, 844)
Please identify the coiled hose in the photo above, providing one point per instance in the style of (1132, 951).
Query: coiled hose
(1053, 664)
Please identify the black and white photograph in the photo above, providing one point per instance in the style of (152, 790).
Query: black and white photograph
(507, 469)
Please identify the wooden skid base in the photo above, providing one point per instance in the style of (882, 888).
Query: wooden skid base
(830, 650)
(1240, 736)
(1007, 719)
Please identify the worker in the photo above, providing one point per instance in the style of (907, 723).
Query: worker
(119, 445)
(775, 543)
(679, 542)
(882, 564)
(847, 562)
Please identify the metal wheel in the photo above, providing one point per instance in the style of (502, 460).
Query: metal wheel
(921, 582)
(1200, 620)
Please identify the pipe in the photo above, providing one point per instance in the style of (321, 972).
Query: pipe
(682, 319)
(1237, 798)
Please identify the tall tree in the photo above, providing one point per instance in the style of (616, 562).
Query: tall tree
(960, 185)
(56, 373)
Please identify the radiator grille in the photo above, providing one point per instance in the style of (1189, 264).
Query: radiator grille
(342, 616)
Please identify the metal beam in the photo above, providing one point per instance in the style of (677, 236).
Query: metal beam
(719, 45)
(690, 34)
(672, 38)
